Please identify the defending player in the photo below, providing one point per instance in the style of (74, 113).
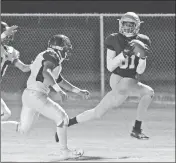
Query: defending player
(124, 67)
(9, 55)
(45, 73)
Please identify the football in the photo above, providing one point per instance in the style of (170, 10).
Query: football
(140, 49)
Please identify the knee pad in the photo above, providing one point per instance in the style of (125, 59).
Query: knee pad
(64, 120)
(148, 92)
(151, 93)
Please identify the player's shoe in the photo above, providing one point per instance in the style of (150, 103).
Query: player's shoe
(67, 154)
(56, 137)
(138, 134)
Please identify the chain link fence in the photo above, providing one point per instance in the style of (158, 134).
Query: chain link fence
(83, 67)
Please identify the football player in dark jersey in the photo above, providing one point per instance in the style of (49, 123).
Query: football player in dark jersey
(124, 66)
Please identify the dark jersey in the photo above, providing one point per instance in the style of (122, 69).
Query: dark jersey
(118, 42)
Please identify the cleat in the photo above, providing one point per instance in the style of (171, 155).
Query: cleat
(138, 134)
(56, 137)
(70, 154)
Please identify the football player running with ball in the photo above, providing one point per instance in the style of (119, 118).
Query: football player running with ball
(127, 53)
(9, 55)
(45, 73)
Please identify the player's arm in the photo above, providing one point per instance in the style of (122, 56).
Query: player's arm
(71, 88)
(14, 58)
(143, 61)
(20, 65)
(67, 85)
(9, 31)
(48, 66)
(3, 36)
(141, 66)
(112, 60)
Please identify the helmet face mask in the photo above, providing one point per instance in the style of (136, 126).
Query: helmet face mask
(129, 24)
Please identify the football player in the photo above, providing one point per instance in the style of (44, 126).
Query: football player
(46, 73)
(9, 55)
(124, 66)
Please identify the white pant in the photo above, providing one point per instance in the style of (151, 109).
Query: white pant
(5, 111)
(121, 89)
(37, 102)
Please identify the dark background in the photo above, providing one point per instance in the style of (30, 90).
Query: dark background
(87, 6)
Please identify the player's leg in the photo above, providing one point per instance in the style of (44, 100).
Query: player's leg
(109, 101)
(28, 112)
(26, 117)
(26, 120)
(146, 93)
(5, 112)
(114, 98)
(55, 112)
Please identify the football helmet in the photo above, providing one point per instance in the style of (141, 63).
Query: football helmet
(129, 24)
(61, 44)
(4, 26)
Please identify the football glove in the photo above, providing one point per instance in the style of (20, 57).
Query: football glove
(128, 51)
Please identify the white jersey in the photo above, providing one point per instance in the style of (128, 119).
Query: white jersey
(8, 56)
(36, 80)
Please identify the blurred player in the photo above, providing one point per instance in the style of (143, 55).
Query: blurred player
(9, 55)
(124, 66)
(45, 73)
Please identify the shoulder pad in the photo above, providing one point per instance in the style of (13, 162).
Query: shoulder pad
(145, 39)
(110, 40)
(51, 56)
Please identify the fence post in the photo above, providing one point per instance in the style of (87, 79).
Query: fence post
(102, 66)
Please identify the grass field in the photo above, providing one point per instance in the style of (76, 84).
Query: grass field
(102, 140)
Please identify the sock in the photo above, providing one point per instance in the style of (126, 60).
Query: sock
(137, 125)
(142, 107)
(62, 134)
(72, 121)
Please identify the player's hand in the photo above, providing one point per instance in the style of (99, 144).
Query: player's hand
(84, 93)
(128, 51)
(30, 65)
(63, 95)
(147, 49)
(144, 55)
(11, 30)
